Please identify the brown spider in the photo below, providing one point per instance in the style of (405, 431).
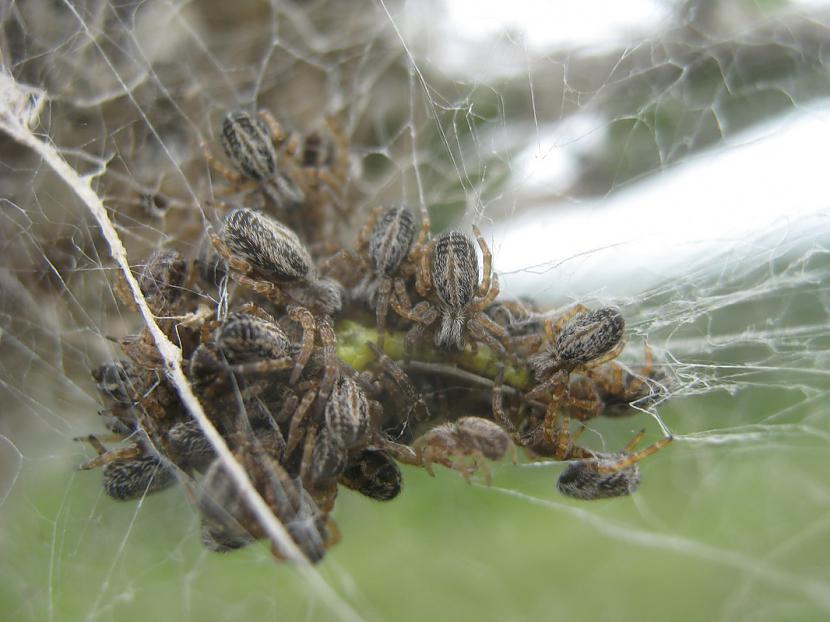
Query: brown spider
(327, 447)
(268, 257)
(593, 475)
(578, 342)
(449, 268)
(130, 390)
(385, 247)
(390, 378)
(347, 414)
(129, 472)
(373, 474)
(605, 476)
(242, 345)
(294, 177)
(163, 281)
(469, 436)
(228, 522)
(620, 388)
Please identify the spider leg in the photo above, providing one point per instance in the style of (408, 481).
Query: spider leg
(639, 381)
(262, 367)
(401, 380)
(420, 244)
(291, 146)
(106, 456)
(480, 464)
(479, 332)
(488, 327)
(340, 166)
(589, 406)
(424, 315)
(296, 427)
(423, 280)
(487, 272)
(236, 263)
(264, 288)
(274, 126)
(308, 451)
(557, 436)
(382, 308)
(231, 175)
(366, 232)
(498, 400)
(491, 295)
(632, 458)
(400, 292)
(608, 356)
(430, 455)
(304, 317)
(331, 370)
(402, 453)
(551, 385)
(252, 309)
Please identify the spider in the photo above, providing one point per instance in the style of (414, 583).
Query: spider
(162, 280)
(129, 472)
(244, 345)
(389, 377)
(347, 414)
(326, 446)
(469, 436)
(133, 471)
(521, 321)
(250, 142)
(373, 474)
(579, 341)
(228, 522)
(292, 176)
(346, 428)
(386, 244)
(129, 388)
(612, 389)
(554, 440)
(268, 257)
(590, 479)
(449, 266)
(619, 388)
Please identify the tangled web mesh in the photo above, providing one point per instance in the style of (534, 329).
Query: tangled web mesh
(664, 159)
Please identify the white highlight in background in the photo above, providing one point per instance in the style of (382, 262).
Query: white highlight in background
(770, 180)
(546, 24)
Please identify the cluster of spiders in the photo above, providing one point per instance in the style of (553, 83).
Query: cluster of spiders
(256, 313)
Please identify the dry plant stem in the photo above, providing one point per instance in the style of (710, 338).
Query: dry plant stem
(17, 113)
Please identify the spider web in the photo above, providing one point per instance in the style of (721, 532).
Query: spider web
(665, 158)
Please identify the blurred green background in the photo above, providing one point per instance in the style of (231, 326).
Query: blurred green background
(732, 521)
